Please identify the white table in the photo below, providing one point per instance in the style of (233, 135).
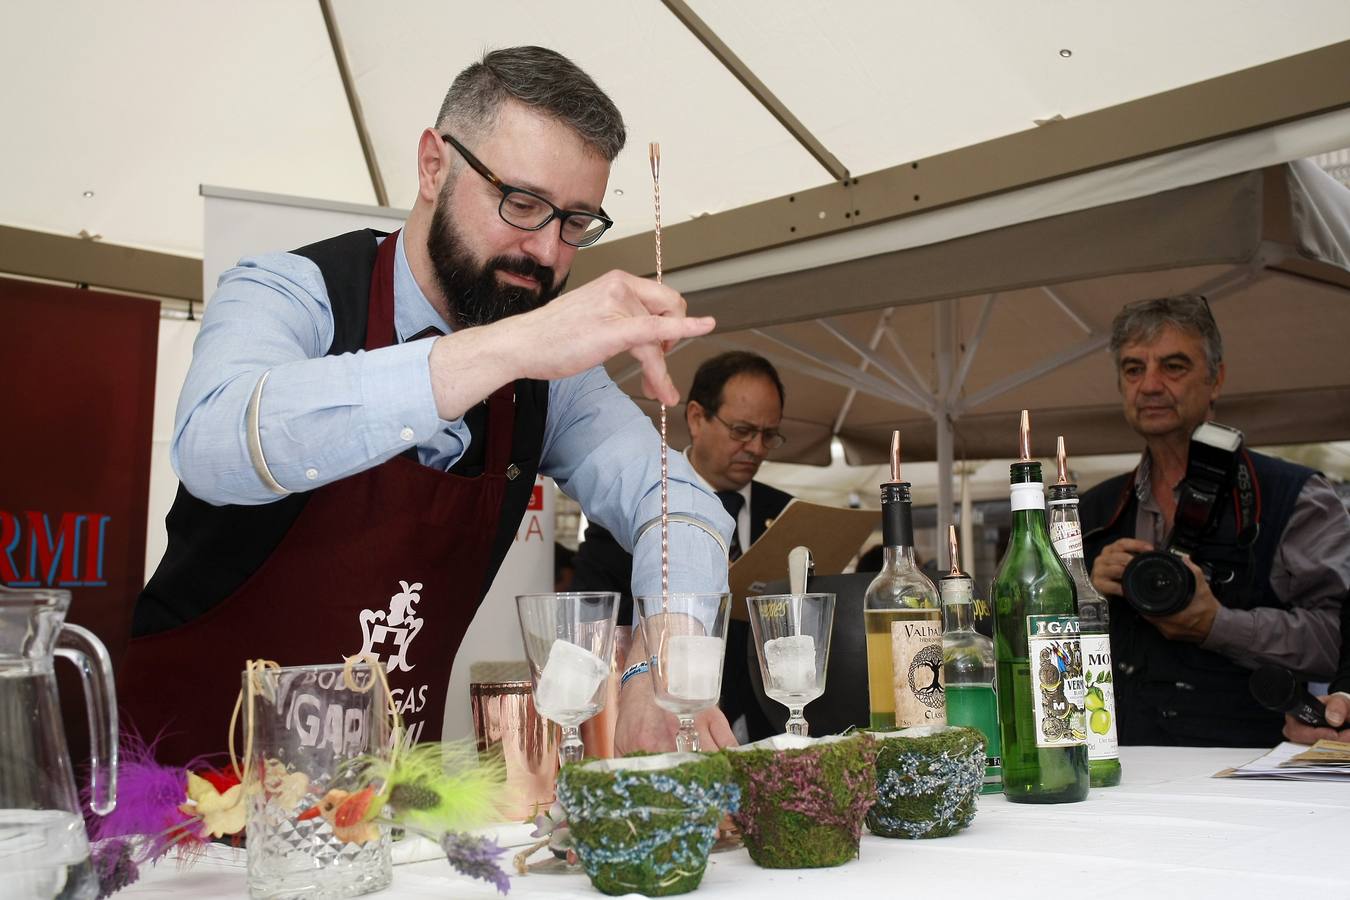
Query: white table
(1169, 830)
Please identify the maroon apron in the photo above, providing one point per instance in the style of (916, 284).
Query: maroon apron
(390, 561)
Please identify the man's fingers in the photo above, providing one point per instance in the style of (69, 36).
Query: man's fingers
(1128, 545)
(658, 299)
(1338, 710)
(713, 731)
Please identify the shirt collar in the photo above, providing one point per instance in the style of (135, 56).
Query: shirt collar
(413, 313)
(744, 491)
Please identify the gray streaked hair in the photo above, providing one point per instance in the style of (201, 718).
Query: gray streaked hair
(545, 81)
(1143, 320)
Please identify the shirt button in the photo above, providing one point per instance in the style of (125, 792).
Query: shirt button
(406, 433)
(311, 474)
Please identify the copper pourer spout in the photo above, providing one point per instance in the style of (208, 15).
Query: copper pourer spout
(895, 457)
(953, 552)
(1024, 437)
(1061, 461)
(654, 157)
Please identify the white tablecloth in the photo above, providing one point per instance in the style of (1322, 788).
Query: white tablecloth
(1169, 830)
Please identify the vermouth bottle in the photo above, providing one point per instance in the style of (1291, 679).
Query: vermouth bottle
(968, 665)
(1066, 533)
(902, 621)
(1040, 662)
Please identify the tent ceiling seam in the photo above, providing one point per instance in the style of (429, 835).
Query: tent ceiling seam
(873, 342)
(354, 102)
(905, 357)
(1066, 309)
(968, 357)
(848, 376)
(757, 88)
(868, 355)
(1002, 386)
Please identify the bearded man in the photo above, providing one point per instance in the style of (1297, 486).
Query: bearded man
(361, 426)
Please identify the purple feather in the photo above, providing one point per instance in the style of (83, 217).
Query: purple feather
(148, 797)
(114, 866)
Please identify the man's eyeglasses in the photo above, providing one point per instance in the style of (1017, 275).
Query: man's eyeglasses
(528, 211)
(773, 438)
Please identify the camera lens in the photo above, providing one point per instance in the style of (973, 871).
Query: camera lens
(1157, 584)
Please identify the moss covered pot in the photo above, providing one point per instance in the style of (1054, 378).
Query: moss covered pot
(645, 824)
(927, 780)
(803, 799)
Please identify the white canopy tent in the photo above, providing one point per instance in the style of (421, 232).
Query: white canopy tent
(117, 113)
(793, 136)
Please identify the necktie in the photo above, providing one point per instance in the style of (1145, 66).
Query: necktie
(429, 331)
(733, 501)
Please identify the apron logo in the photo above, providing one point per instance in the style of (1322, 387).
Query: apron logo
(388, 640)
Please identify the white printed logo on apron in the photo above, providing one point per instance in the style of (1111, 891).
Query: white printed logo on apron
(386, 635)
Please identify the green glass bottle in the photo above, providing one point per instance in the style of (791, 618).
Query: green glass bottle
(902, 622)
(968, 665)
(1039, 659)
(1066, 534)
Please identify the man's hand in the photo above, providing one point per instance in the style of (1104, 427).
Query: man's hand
(1338, 711)
(1111, 562)
(1193, 623)
(642, 725)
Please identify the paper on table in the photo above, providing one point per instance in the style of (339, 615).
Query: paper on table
(834, 535)
(1271, 765)
(1323, 753)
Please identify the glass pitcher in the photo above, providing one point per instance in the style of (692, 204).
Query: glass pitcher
(44, 851)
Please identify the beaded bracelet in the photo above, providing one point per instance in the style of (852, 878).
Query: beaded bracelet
(636, 668)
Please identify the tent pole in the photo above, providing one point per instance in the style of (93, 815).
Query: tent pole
(944, 340)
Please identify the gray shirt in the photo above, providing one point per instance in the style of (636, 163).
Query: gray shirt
(1310, 574)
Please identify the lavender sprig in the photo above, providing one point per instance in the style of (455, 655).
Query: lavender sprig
(475, 857)
(114, 866)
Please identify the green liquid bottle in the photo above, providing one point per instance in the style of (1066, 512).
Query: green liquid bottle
(968, 665)
(1039, 658)
(1066, 533)
(902, 622)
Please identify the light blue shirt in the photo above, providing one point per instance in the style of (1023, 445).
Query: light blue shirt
(323, 418)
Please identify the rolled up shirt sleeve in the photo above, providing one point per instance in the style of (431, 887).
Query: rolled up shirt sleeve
(319, 418)
(1311, 576)
(603, 451)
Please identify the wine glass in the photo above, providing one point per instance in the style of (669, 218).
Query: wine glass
(686, 640)
(569, 642)
(792, 640)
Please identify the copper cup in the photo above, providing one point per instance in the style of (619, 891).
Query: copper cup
(597, 732)
(504, 719)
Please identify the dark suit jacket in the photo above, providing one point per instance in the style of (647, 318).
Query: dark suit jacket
(601, 564)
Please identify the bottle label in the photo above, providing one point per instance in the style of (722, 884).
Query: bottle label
(1056, 671)
(1068, 540)
(1100, 698)
(916, 653)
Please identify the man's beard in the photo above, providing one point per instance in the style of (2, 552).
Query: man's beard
(474, 294)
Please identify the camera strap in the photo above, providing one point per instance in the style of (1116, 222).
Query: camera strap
(1246, 502)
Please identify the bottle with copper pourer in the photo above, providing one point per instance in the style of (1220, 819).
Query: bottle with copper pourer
(1042, 726)
(903, 621)
(1099, 701)
(968, 665)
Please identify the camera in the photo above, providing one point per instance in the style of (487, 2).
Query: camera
(1158, 583)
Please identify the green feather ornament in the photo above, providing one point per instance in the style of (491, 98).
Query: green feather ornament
(435, 787)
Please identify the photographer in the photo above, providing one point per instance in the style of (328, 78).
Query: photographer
(1274, 562)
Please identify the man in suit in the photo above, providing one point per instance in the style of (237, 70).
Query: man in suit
(734, 412)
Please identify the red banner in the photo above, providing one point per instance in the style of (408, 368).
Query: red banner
(77, 407)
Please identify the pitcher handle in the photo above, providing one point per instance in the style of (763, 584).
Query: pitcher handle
(82, 647)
